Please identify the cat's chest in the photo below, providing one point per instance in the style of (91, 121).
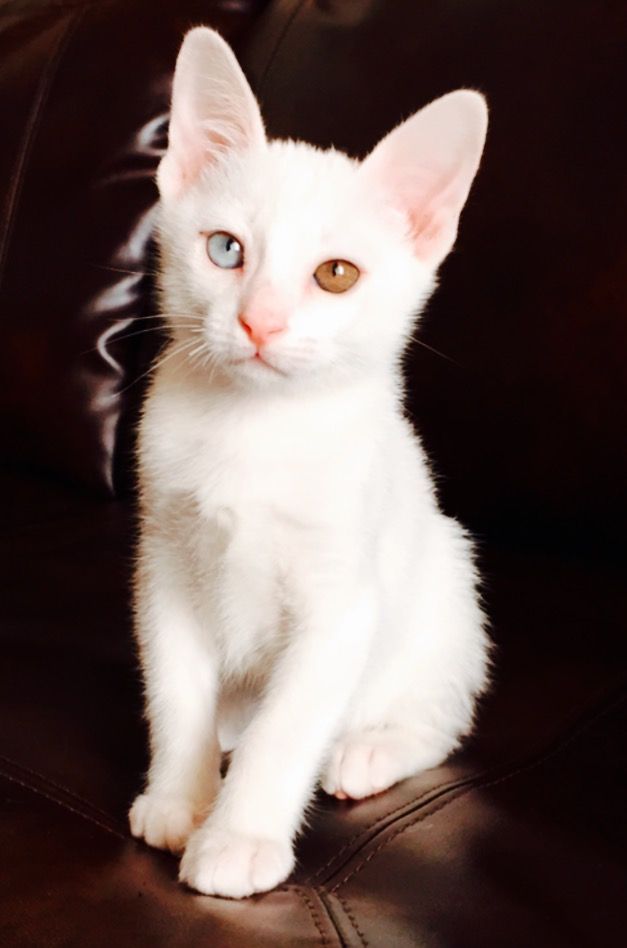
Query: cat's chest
(256, 468)
(263, 467)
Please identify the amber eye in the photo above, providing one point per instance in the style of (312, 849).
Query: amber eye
(336, 276)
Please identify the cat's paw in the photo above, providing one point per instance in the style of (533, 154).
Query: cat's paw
(220, 862)
(365, 763)
(163, 821)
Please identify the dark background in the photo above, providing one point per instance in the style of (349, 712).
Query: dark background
(520, 838)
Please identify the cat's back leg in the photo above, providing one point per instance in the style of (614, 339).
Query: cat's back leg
(368, 761)
(417, 698)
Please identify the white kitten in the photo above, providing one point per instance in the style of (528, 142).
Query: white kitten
(298, 591)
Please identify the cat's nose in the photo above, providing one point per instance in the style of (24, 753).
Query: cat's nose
(260, 326)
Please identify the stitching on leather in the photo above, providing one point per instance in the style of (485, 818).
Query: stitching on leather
(408, 805)
(388, 839)
(19, 168)
(481, 783)
(290, 20)
(352, 920)
(63, 804)
(314, 914)
(433, 792)
(56, 786)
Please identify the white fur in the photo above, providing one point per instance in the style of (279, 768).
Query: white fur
(298, 591)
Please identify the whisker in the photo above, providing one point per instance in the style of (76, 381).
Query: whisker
(103, 266)
(139, 332)
(164, 316)
(195, 352)
(436, 351)
(178, 350)
(210, 362)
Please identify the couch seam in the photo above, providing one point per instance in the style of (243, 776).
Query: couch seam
(28, 771)
(482, 783)
(52, 7)
(32, 126)
(38, 791)
(436, 790)
(349, 914)
(302, 892)
(433, 793)
(271, 59)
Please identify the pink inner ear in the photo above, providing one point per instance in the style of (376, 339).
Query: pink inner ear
(213, 111)
(185, 151)
(426, 167)
(198, 138)
(429, 201)
(433, 210)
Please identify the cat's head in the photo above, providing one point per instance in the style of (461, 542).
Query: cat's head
(283, 264)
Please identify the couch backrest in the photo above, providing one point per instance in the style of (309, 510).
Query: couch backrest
(528, 427)
(84, 94)
(527, 423)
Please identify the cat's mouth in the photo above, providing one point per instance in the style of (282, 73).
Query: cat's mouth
(257, 359)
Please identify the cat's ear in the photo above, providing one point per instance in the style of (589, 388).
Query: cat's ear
(427, 165)
(213, 111)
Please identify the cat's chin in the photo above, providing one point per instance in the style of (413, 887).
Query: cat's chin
(260, 374)
(259, 363)
(256, 371)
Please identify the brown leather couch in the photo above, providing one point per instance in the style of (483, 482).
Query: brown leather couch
(519, 840)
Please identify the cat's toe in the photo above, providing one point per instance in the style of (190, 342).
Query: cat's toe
(219, 862)
(162, 821)
(364, 764)
(351, 774)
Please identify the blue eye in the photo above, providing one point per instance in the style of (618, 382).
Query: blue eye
(225, 250)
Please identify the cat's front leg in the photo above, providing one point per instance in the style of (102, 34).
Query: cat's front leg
(180, 684)
(246, 844)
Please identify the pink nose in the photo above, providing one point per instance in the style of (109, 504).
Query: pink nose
(260, 325)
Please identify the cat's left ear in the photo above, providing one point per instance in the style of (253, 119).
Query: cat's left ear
(426, 167)
(213, 111)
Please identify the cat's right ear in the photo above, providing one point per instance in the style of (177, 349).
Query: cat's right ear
(213, 111)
